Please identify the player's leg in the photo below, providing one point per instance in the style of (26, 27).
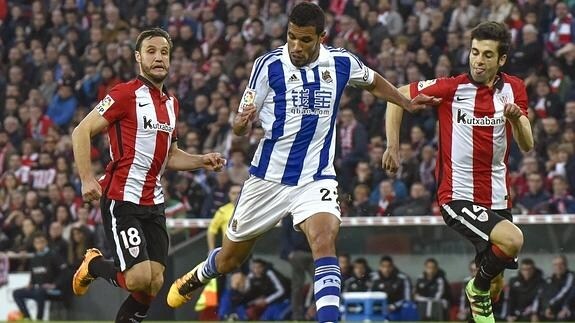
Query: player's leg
(321, 230)
(220, 261)
(260, 206)
(317, 215)
(477, 224)
(94, 265)
(155, 236)
(507, 240)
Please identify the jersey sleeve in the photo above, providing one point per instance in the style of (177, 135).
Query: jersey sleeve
(176, 114)
(112, 107)
(258, 84)
(359, 74)
(520, 94)
(438, 88)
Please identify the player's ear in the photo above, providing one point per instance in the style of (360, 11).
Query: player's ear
(138, 56)
(502, 60)
(322, 36)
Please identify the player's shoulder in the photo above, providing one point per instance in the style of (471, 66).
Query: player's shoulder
(125, 90)
(342, 52)
(269, 57)
(514, 80)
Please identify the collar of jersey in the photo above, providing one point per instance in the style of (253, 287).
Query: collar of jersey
(323, 56)
(150, 85)
(498, 84)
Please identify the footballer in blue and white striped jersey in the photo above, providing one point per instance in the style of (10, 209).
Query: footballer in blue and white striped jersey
(298, 107)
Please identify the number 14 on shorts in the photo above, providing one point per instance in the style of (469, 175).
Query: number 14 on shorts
(479, 213)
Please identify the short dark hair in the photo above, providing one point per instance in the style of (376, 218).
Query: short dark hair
(433, 261)
(306, 14)
(491, 30)
(153, 32)
(528, 262)
(38, 235)
(386, 259)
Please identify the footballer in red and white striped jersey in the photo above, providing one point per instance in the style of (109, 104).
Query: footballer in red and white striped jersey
(474, 137)
(142, 128)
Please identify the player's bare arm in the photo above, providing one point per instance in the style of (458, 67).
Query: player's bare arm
(181, 160)
(243, 120)
(393, 117)
(382, 89)
(520, 125)
(91, 125)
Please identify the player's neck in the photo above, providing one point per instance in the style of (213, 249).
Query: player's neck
(157, 85)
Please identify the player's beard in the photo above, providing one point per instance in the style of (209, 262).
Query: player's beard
(154, 77)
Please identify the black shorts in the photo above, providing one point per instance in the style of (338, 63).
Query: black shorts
(135, 233)
(473, 221)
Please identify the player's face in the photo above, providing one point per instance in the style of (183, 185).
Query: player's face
(484, 60)
(154, 58)
(303, 44)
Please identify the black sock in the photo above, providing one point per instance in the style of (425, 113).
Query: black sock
(489, 267)
(132, 311)
(104, 269)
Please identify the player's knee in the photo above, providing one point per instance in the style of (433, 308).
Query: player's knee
(322, 242)
(157, 283)
(139, 280)
(510, 243)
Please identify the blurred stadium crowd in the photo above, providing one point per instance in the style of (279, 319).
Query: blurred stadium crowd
(60, 57)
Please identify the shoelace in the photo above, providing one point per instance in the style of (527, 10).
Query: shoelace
(482, 305)
(189, 285)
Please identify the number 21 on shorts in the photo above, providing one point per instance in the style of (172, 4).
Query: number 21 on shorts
(131, 240)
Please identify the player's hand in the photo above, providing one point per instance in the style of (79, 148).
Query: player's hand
(91, 190)
(512, 111)
(421, 101)
(390, 160)
(248, 114)
(213, 161)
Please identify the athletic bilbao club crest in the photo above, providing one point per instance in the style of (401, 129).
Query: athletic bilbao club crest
(326, 76)
(134, 251)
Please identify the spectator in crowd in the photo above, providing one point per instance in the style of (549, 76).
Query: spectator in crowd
(56, 242)
(561, 202)
(262, 296)
(536, 195)
(432, 292)
(555, 290)
(46, 271)
(521, 294)
(63, 105)
(352, 146)
(360, 280)
(418, 202)
(395, 284)
(344, 261)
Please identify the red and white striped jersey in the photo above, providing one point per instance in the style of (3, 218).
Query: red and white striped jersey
(474, 137)
(142, 128)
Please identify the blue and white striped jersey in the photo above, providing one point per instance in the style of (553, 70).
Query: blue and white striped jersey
(298, 108)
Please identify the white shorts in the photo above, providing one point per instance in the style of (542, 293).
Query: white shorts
(262, 204)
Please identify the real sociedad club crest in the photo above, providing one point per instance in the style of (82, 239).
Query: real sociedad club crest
(326, 76)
